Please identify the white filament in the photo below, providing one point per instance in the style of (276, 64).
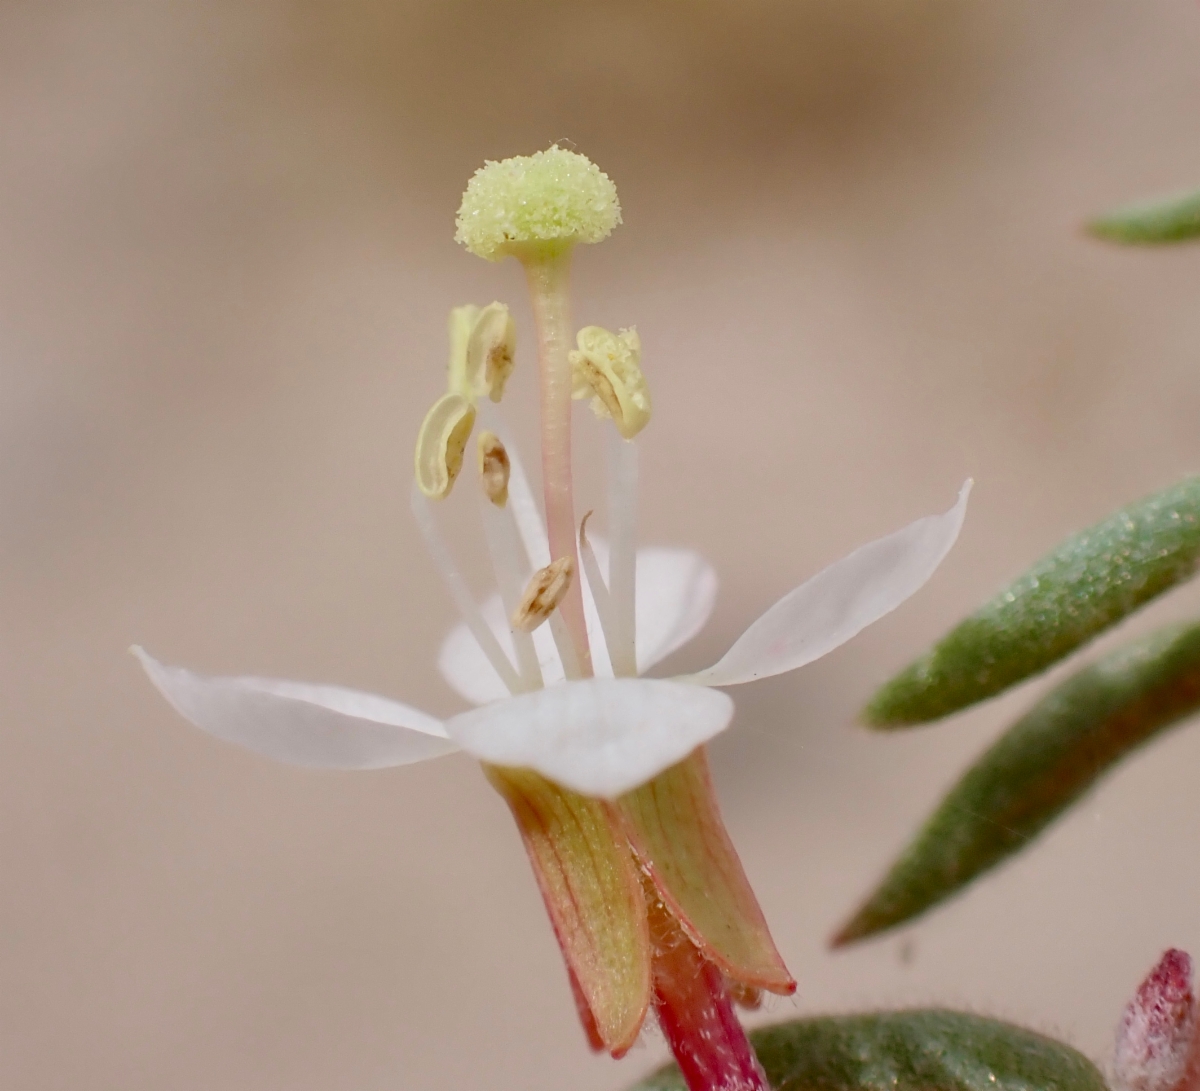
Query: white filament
(511, 577)
(532, 530)
(460, 593)
(521, 503)
(566, 649)
(622, 465)
(597, 586)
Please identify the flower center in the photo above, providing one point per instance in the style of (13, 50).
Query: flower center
(535, 209)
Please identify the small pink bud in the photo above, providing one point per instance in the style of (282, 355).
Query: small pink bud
(1157, 1031)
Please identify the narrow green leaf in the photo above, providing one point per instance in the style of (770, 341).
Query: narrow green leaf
(1090, 582)
(1166, 219)
(1038, 768)
(909, 1051)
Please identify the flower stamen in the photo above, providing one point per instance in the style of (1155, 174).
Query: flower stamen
(536, 208)
(595, 579)
(461, 594)
(525, 512)
(621, 457)
(566, 648)
(546, 590)
(509, 563)
(441, 444)
(531, 531)
(607, 367)
(483, 341)
(494, 468)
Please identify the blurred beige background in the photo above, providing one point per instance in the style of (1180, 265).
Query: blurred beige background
(852, 250)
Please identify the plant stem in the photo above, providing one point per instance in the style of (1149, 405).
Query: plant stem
(547, 271)
(696, 1012)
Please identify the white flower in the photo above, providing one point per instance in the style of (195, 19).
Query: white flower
(565, 700)
(600, 736)
(648, 899)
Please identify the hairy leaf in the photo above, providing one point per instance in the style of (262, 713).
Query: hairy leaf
(1093, 580)
(1037, 769)
(909, 1051)
(1167, 219)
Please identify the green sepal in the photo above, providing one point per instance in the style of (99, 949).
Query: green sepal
(1038, 768)
(592, 890)
(909, 1051)
(674, 825)
(1093, 580)
(1166, 219)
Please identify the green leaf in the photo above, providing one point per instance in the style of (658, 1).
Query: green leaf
(1090, 582)
(1037, 769)
(909, 1051)
(1167, 219)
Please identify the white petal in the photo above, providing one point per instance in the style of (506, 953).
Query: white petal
(676, 589)
(468, 670)
(326, 727)
(600, 737)
(840, 601)
(463, 665)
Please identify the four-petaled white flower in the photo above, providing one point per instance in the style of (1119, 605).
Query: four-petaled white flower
(604, 771)
(600, 736)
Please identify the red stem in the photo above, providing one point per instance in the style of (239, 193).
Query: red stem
(696, 1013)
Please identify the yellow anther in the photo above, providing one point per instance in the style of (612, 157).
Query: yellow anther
(494, 468)
(482, 343)
(462, 322)
(608, 367)
(441, 444)
(546, 590)
(490, 351)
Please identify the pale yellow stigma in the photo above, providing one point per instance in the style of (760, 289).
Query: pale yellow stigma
(533, 202)
(441, 444)
(494, 468)
(483, 341)
(546, 590)
(608, 367)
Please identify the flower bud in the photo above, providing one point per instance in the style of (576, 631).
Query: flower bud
(1156, 1033)
(608, 367)
(536, 202)
(441, 444)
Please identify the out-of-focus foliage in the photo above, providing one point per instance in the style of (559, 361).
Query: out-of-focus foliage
(1038, 768)
(908, 1051)
(1093, 580)
(1149, 223)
